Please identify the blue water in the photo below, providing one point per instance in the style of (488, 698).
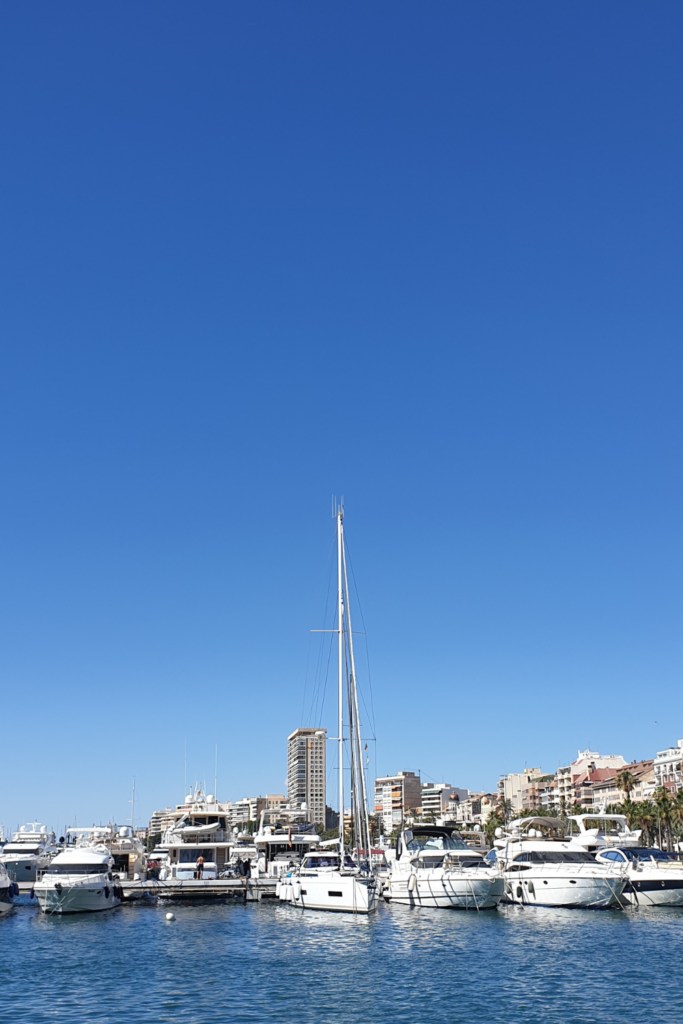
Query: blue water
(267, 962)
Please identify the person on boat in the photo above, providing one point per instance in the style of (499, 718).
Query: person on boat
(200, 866)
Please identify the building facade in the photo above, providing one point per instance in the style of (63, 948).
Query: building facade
(668, 768)
(396, 798)
(440, 800)
(306, 772)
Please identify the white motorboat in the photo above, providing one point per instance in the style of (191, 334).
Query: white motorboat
(655, 877)
(598, 830)
(434, 867)
(543, 870)
(78, 879)
(128, 852)
(332, 879)
(278, 846)
(8, 890)
(200, 829)
(29, 852)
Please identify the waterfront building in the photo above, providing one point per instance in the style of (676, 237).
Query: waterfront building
(519, 791)
(306, 768)
(439, 800)
(396, 796)
(608, 792)
(668, 768)
(568, 792)
(476, 809)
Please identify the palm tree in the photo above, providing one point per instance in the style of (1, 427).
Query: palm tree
(663, 805)
(626, 781)
(643, 816)
(677, 814)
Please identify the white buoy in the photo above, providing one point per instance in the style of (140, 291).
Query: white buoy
(170, 916)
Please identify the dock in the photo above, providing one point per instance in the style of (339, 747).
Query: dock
(246, 890)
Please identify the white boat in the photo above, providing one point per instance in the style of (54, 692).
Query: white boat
(595, 831)
(330, 879)
(201, 829)
(8, 889)
(434, 867)
(29, 852)
(543, 870)
(128, 852)
(79, 879)
(278, 846)
(655, 877)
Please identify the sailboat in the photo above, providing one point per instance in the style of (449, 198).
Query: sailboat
(329, 878)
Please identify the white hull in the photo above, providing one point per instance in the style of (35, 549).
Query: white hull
(6, 904)
(77, 895)
(471, 891)
(345, 893)
(546, 889)
(26, 867)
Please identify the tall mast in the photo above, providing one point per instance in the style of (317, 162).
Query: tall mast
(358, 790)
(340, 679)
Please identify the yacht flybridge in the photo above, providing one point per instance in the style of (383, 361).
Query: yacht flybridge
(329, 878)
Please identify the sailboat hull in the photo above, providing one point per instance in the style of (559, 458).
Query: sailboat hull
(345, 893)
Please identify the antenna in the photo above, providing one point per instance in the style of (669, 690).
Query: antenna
(215, 773)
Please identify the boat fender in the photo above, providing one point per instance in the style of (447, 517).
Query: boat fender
(412, 882)
(106, 892)
(58, 886)
(13, 889)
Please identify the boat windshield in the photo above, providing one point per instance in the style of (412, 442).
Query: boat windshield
(327, 860)
(555, 857)
(22, 848)
(435, 841)
(640, 853)
(77, 869)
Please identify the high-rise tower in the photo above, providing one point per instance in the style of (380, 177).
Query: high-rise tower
(306, 772)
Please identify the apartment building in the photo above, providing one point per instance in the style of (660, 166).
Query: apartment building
(396, 796)
(519, 790)
(668, 768)
(306, 768)
(440, 800)
(569, 778)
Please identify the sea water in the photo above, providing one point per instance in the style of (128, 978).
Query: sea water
(240, 962)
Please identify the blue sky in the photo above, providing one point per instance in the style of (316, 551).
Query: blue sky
(427, 257)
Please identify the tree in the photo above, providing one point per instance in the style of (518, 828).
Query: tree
(664, 807)
(626, 782)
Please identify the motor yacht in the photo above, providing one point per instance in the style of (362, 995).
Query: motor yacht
(655, 877)
(78, 879)
(598, 830)
(29, 852)
(542, 868)
(435, 867)
(8, 890)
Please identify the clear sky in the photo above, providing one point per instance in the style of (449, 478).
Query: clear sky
(254, 255)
